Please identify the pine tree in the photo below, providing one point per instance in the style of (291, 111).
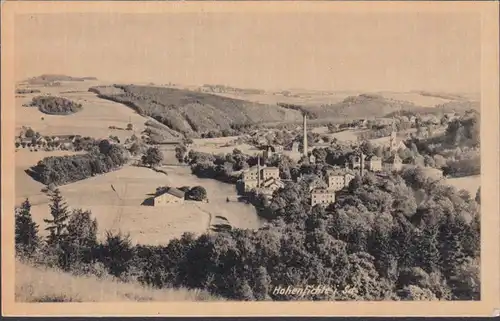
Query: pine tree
(57, 226)
(26, 238)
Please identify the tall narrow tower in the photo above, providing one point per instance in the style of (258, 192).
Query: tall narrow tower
(304, 151)
(361, 164)
(393, 139)
(258, 171)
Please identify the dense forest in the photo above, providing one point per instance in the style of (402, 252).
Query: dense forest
(193, 113)
(55, 105)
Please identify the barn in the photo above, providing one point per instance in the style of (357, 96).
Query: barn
(169, 196)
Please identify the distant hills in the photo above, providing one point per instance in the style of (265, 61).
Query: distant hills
(194, 112)
(46, 79)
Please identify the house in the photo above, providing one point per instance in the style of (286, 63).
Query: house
(312, 159)
(273, 184)
(393, 163)
(270, 150)
(373, 163)
(169, 196)
(270, 172)
(295, 147)
(322, 196)
(338, 179)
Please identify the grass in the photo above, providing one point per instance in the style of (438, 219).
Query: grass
(39, 284)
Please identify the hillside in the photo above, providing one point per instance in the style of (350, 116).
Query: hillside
(362, 106)
(190, 112)
(37, 284)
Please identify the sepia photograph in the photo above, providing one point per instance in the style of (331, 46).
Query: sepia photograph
(223, 155)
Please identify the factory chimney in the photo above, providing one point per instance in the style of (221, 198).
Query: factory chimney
(305, 136)
(258, 171)
(362, 165)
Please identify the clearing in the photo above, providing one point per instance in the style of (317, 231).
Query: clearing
(468, 183)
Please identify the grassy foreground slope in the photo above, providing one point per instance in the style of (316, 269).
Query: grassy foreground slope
(38, 284)
(191, 112)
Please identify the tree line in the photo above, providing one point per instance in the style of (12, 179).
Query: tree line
(60, 170)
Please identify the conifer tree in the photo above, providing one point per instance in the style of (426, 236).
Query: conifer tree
(26, 237)
(57, 226)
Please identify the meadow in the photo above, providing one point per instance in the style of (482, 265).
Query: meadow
(39, 284)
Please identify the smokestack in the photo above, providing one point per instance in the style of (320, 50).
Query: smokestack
(305, 136)
(362, 165)
(258, 171)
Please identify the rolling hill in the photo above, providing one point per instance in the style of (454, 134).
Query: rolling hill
(191, 112)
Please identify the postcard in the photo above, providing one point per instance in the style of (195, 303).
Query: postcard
(250, 158)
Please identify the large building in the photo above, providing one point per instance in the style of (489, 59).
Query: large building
(261, 177)
(322, 196)
(169, 196)
(338, 179)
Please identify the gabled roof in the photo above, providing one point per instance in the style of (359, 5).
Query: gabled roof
(172, 191)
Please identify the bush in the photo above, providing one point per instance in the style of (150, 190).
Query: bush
(197, 193)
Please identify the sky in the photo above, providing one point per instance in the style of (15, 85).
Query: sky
(324, 51)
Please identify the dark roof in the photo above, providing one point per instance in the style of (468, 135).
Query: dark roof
(176, 192)
(172, 191)
(322, 191)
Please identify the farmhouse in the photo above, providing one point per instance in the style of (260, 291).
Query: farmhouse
(169, 196)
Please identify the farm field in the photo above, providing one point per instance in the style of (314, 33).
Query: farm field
(93, 120)
(37, 284)
(147, 224)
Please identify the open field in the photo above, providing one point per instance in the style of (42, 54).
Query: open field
(147, 224)
(468, 183)
(93, 120)
(37, 284)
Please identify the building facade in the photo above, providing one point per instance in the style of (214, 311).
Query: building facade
(170, 196)
(373, 163)
(322, 196)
